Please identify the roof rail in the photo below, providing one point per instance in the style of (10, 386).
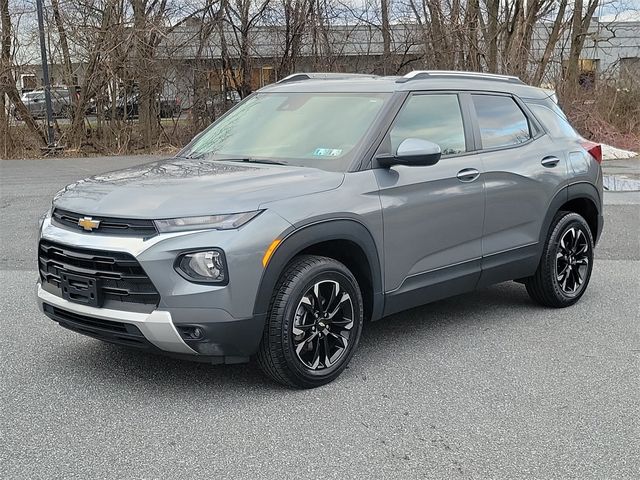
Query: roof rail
(422, 74)
(295, 77)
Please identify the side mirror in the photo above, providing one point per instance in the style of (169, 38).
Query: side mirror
(413, 152)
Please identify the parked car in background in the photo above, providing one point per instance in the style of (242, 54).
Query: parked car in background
(211, 105)
(61, 103)
(228, 99)
(128, 106)
(220, 102)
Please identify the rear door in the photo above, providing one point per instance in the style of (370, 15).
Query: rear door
(36, 104)
(523, 171)
(432, 214)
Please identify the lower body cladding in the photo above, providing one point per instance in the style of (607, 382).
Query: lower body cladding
(139, 299)
(200, 336)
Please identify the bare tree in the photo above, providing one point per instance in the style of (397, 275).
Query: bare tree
(580, 21)
(130, 55)
(242, 17)
(8, 81)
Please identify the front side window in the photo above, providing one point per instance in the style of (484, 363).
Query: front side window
(320, 130)
(436, 118)
(35, 97)
(502, 122)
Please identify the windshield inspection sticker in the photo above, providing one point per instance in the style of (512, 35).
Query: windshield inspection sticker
(327, 152)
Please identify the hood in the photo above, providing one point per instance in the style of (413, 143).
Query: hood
(190, 187)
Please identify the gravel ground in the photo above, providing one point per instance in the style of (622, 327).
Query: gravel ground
(485, 385)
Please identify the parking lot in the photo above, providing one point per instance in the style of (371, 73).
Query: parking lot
(485, 385)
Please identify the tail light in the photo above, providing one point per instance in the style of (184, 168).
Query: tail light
(593, 149)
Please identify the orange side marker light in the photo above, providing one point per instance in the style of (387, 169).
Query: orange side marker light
(269, 253)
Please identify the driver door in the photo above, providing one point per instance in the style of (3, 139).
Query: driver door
(433, 215)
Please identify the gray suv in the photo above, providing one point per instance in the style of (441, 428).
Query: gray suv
(35, 102)
(322, 202)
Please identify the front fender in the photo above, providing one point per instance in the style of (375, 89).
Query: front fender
(311, 233)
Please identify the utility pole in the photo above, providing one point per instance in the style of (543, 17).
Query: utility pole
(45, 74)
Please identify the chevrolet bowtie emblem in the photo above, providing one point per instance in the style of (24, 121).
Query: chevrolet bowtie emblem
(88, 223)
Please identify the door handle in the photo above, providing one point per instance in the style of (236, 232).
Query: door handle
(468, 174)
(550, 161)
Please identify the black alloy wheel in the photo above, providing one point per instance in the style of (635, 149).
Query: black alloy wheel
(314, 323)
(322, 325)
(566, 263)
(572, 260)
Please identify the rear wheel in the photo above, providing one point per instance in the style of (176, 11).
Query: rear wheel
(566, 264)
(314, 323)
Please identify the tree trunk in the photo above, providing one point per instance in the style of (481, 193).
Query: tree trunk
(386, 36)
(67, 69)
(571, 74)
(554, 36)
(88, 88)
(493, 10)
(7, 81)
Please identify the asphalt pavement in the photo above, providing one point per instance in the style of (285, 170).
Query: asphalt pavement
(484, 385)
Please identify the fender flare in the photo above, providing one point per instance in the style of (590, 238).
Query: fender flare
(561, 197)
(581, 190)
(309, 234)
(589, 192)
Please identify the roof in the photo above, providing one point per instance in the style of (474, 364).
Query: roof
(414, 81)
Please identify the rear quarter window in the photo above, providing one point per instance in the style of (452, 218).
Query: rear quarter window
(554, 122)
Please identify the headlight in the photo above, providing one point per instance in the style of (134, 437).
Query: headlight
(215, 222)
(208, 266)
(43, 218)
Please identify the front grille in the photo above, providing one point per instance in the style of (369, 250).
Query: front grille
(106, 330)
(108, 225)
(119, 277)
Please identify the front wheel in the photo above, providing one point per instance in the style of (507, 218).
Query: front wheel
(566, 264)
(65, 112)
(314, 323)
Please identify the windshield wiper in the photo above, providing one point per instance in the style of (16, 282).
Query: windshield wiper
(252, 160)
(198, 156)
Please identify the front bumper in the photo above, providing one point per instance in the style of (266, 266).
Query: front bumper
(224, 312)
(157, 326)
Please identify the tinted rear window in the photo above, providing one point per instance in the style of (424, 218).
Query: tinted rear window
(502, 122)
(554, 121)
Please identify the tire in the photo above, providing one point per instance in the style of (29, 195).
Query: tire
(300, 329)
(566, 264)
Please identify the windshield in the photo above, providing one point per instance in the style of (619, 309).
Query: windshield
(33, 96)
(319, 130)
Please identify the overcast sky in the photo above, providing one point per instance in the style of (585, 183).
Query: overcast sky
(620, 10)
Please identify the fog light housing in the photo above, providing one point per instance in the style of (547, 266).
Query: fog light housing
(191, 332)
(206, 266)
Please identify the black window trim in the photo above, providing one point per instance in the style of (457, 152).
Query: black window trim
(535, 129)
(377, 133)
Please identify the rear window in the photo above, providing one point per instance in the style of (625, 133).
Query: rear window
(554, 121)
(502, 122)
(34, 96)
